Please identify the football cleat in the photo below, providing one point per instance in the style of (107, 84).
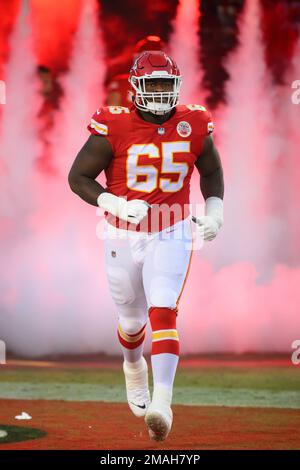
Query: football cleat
(138, 395)
(159, 416)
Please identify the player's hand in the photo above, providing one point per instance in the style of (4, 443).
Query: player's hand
(134, 211)
(131, 211)
(207, 227)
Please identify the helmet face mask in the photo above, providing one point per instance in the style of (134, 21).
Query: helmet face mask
(156, 102)
(149, 68)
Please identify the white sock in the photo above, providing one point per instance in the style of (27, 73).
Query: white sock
(139, 364)
(164, 369)
(133, 355)
(161, 396)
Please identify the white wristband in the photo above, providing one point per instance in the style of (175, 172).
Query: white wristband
(214, 208)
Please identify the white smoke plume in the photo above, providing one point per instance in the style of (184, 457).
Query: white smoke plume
(184, 48)
(53, 295)
(242, 292)
(18, 131)
(241, 296)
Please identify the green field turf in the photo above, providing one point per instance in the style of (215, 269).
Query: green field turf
(277, 387)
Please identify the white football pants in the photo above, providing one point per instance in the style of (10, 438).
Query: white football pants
(146, 270)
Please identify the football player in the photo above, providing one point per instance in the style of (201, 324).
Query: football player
(148, 154)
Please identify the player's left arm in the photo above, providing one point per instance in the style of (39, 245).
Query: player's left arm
(210, 169)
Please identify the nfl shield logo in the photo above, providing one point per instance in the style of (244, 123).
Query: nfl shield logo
(161, 130)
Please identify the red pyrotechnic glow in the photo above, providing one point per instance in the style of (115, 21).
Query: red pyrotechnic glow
(54, 25)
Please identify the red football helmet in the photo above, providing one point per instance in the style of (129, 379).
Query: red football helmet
(148, 43)
(149, 66)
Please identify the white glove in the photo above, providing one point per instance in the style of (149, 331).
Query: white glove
(130, 211)
(210, 223)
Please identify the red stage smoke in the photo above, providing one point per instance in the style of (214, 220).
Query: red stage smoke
(54, 25)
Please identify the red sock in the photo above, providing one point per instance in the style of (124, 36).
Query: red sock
(131, 341)
(164, 333)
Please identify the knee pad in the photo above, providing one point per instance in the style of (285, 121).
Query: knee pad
(120, 285)
(131, 332)
(161, 294)
(131, 326)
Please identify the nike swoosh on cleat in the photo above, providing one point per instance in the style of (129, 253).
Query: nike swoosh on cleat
(139, 406)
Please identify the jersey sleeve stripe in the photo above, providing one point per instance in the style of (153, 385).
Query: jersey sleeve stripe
(100, 128)
(210, 127)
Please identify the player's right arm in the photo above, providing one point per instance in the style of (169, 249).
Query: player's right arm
(94, 157)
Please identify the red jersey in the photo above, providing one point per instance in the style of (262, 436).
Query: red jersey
(153, 162)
